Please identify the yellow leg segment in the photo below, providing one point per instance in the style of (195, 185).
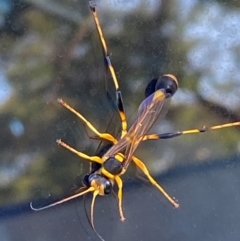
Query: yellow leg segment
(120, 186)
(211, 128)
(80, 154)
(190, 131)
(105, 136)
(112, 71)
(142, 166)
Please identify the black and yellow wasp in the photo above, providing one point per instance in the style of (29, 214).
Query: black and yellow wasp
(113, 160)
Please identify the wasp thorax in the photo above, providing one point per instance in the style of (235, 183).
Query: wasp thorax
(113, 166)
(100, 183)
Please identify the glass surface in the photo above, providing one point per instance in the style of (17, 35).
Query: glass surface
(51, 50)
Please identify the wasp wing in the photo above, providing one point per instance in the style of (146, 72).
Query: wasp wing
(150, 109)
(153, 107)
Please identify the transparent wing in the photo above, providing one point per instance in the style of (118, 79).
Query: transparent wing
(150, 109)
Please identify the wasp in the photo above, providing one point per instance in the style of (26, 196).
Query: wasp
(113, 160)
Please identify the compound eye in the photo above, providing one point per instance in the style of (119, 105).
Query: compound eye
(86, 180)
(107, 187)
(92, 177)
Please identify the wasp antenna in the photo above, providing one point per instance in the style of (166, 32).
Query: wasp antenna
(91, 189)
(95, 193)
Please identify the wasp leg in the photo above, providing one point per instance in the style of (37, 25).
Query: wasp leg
(191, 131)
(137, 174)
(108, 64)
(105, 136)
(80, 154)
(142, 166)
(120, 186)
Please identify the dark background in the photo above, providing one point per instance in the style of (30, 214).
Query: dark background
(50, 50)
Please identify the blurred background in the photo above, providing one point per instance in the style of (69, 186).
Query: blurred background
(51, 50)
